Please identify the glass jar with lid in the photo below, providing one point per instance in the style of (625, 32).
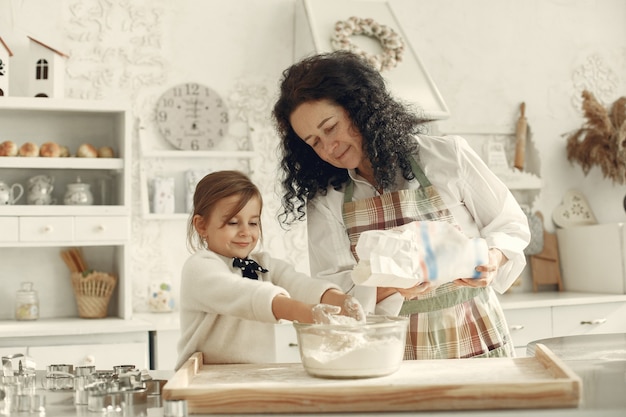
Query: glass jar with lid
(26, 302)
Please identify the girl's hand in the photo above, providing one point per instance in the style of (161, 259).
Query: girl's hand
(487, 272)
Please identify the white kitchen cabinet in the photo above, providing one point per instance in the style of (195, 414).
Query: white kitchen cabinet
(166, 333)
(10, 229)
(530, 317)
(589, 319)
(164, 345)
(13, 351)
(33, 235)
(526, 325)
(102, 342)
(286, 343)
(535, 316)
(103, 356)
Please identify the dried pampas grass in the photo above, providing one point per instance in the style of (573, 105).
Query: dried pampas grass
(602, 139)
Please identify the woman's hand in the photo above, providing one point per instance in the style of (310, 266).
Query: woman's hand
(487, 272)
(410, 293)
(407, 293)
(334, 302)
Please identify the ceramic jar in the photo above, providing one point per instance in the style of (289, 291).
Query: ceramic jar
(40, 190)
(78, 194)
(7, 193)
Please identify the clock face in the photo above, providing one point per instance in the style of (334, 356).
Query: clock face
(192, 116)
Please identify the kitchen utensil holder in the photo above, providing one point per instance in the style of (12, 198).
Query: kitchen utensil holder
(93, 291)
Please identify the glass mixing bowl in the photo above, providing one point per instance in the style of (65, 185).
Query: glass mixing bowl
(360, 350)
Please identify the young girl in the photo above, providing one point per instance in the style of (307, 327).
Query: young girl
(230, 299)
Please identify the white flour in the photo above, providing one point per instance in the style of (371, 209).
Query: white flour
(349, 354)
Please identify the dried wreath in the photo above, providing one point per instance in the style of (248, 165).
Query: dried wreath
(603, 139)
(390, 41)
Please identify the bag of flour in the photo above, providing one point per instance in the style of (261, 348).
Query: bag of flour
(416, 252)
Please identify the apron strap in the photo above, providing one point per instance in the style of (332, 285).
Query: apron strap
(417, 171)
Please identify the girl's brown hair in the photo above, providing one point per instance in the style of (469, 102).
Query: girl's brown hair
(213, 188)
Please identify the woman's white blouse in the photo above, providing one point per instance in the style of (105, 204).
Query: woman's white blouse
(480, 203)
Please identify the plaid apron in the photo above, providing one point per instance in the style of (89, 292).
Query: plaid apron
(450, 321)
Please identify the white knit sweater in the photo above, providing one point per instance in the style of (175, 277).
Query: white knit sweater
(229, 318)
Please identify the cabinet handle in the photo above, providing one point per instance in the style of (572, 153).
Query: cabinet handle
(516, 327)
(293, 344)
(594, 321)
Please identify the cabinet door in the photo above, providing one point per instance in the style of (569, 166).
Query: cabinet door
(165, 352)
(46, 229)
(7, 351)
(9, 227)
(103, 356)
(589, 319)
(529, 324)
(286, 342)
(100, 228)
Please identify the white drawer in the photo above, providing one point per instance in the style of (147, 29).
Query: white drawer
(286, 341)
(101, 228)
(10, 229)
(46, 229)
(103, 356)
(165, 347)
(529, 324)
(7, 351)
(589, 319)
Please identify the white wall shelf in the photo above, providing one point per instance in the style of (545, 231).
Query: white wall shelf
(33, 235)
(173, 154)
(176, 164)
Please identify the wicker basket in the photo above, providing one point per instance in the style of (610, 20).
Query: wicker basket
(93, 292)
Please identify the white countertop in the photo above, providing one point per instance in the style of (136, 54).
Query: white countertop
(145, 322)
(513, 300)
(71, 327)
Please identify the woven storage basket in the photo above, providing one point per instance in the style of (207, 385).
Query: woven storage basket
(93, 292)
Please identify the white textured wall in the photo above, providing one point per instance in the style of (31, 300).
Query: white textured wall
(486, 56)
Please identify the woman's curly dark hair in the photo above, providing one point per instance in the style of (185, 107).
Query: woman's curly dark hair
(386, 124)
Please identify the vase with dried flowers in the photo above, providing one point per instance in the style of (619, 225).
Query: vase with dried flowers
(601, 140)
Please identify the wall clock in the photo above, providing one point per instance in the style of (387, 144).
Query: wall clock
(192, 116)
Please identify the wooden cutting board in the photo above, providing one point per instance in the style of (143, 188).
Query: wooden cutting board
(542, 381)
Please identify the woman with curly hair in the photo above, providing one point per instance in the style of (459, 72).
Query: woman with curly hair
(356, 159)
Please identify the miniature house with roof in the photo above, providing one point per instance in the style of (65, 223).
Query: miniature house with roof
(5, 54)
(46, 70)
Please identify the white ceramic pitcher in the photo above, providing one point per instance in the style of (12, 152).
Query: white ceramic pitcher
(7, 193)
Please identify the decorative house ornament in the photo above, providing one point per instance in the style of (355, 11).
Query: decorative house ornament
(602, 139)
(5, 54)
(391, 43)
(46, 68)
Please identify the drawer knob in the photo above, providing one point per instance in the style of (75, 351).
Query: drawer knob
(48, 229)
(595, 321)
(100, 228)
(517, 327)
